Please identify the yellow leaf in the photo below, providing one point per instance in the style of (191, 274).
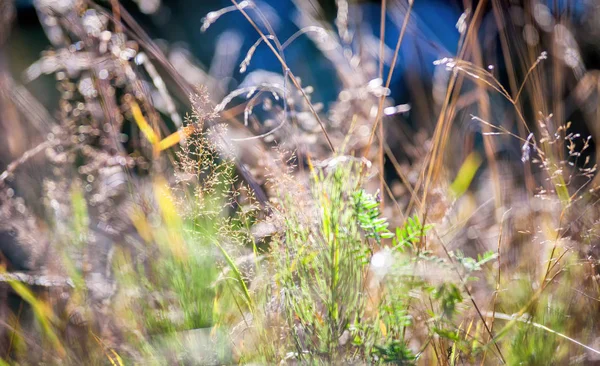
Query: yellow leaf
(170, 216)
(141, 225)
(42, 310)
(175, 137)
(465, 175)
(382, 328)
(140, 120)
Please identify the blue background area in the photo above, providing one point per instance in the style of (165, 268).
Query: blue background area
(431, 35)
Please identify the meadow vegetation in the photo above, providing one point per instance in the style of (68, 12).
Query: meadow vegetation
(262, 227)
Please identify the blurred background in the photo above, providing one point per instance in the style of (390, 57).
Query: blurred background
(566, 30)
(486, 109)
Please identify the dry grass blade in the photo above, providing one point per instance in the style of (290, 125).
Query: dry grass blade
(526, 320)
(288, 73)
(10, 169)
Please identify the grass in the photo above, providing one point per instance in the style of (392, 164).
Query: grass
(285, 237)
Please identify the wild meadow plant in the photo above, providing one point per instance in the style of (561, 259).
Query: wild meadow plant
(204, 241)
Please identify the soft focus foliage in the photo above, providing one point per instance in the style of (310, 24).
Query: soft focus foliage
(299, 182)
